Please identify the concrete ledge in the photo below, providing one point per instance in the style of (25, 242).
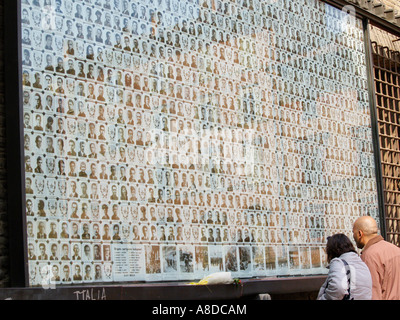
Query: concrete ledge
(249, 289)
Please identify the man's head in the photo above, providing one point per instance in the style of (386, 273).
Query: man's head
(364, 229)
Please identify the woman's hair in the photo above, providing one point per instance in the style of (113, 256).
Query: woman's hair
(337, 245)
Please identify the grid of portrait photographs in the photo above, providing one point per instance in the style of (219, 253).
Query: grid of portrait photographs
(166, 139)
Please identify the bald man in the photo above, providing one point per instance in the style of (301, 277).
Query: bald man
(381, 257)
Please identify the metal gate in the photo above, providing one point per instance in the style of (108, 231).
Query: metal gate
(387, 90)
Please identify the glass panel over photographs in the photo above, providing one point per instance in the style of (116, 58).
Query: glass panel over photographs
(166, 139)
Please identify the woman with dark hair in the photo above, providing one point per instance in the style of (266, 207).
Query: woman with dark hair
(349, 277)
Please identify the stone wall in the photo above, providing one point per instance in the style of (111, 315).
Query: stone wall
(4, 261)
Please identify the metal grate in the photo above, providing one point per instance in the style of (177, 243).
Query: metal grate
(387, 89)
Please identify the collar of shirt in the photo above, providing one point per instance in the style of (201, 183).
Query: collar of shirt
(373, 241)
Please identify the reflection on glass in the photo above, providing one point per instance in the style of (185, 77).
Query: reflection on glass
(165, 140)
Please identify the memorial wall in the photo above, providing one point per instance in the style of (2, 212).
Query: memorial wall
(166, 140)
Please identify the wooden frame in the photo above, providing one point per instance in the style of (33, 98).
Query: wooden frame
(386, 73)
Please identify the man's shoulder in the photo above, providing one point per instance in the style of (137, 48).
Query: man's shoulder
(381, 248)
(385, 245)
